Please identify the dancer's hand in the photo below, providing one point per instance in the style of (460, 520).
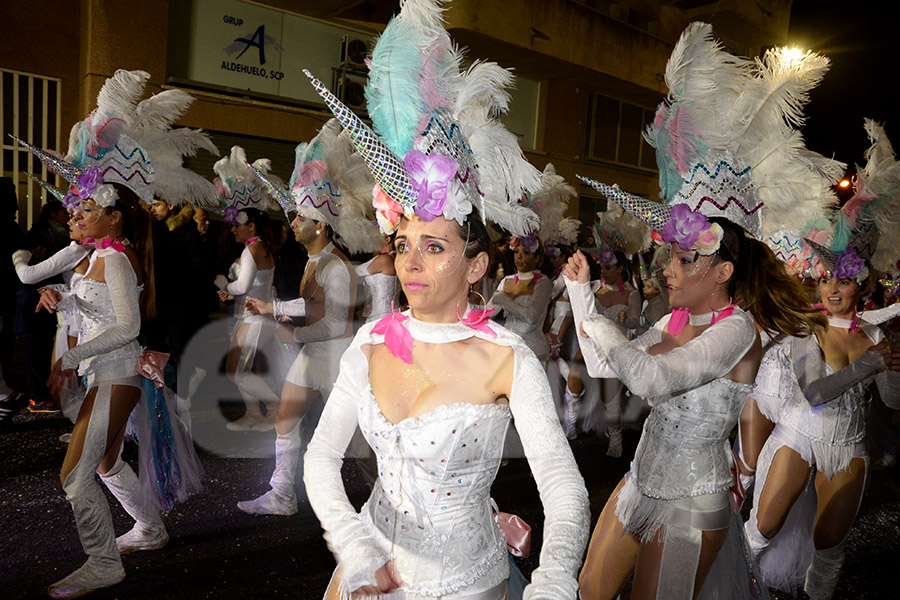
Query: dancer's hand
(890, 354)
(577, 268)
(386, 580)
(259, 307)
(224, 296)
(59, 378)
(49, 300)
(622, 317)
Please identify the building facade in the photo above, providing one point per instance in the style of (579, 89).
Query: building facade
(590, 71)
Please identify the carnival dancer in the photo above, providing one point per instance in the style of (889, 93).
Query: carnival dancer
(110, 169)
(725, 147)
(524, 296)
(71, 263)
(822, 423)
(440, 381)
(618, 236)
(329, 190)
(251, 276)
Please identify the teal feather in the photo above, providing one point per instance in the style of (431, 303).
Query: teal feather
(394, 90)
(842, 232)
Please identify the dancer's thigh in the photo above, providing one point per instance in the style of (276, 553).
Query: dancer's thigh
(838, 502)
(295, 401)
(611, 555)
(785, 482)
(755, 429)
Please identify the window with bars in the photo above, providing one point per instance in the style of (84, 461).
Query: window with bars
(31, 111)
(614, 133)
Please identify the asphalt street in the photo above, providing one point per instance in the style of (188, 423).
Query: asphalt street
(216, 551)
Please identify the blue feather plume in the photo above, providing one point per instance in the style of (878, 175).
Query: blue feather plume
(394, 90)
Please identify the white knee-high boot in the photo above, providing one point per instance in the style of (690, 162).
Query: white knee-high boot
(613, 409)
(93, 520)
(570, 415)
(823, 572)
(756, 540)
(281, 499)
(148, 532)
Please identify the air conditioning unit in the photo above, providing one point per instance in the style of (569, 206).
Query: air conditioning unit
(351, 90)
(353, 53)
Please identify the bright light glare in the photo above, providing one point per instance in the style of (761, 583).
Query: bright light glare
(844, 183)
(794, 54)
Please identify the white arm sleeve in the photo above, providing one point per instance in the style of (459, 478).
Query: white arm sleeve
(64, 260)
(581, 297)
(346, 534)
(334, 277)
(534, 311)
(817, 386)
(712, 354)
(123, 288)
(362, 270)
(289, 308)
(882, 315)
(561, 487)
(245, 279)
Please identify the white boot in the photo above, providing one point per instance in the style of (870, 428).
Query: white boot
(281, 499)
(755, 540)
(570, 414)
(251, 419)
(148, 532)
(93, 520)
(823, 572)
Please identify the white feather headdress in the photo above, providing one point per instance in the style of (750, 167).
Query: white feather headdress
(437, 147)
(727, 143)
(131, 142)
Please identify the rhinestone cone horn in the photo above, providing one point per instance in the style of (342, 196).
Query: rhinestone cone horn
(58, 165)
(281, 195)
(388, 170)
(51, 189)
(653, 214)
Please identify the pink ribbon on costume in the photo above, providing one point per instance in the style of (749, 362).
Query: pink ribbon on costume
(537, 277)
(249, 241)
(114, 244)
(397, 338)
(478, 318)
(150, 364)
(680, 318)
(725, 312)
(517, 532)
(736, 494)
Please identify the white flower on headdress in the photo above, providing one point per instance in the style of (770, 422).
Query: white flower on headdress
(241, 218)
(105, 195)
(458, 206)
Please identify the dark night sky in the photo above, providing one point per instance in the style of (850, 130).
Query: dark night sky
(863, 42)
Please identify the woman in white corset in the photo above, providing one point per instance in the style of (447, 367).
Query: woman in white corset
(440, 385)
(524, 297)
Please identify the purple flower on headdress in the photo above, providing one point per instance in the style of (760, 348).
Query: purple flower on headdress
(552, 250)
(72, 200)
(530, 243)
(848, 264)
(684, 226)
(231, 214)
(429, 175)
(606, 257)
(89, 181)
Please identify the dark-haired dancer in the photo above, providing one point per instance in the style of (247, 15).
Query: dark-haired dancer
(250, 276)
(112, 296)
(671, 523)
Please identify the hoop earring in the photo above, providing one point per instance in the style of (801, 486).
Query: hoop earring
(477, 318)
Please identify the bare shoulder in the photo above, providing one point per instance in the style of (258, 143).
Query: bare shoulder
(383, 263)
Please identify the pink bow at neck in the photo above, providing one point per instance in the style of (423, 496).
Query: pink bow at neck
(111, 243)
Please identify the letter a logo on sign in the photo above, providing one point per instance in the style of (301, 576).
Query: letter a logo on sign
(257, 40)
